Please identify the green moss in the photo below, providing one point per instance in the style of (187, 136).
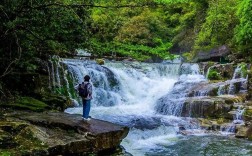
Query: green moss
(188, 56)
(210, 63)
(248, 112)
(244, 70)
(28, 103)
(213, 75)
(222, 120)
(5, 153)
(20, 139)
(100, 61)
(56, 102)
(72, 91)
(27, 140)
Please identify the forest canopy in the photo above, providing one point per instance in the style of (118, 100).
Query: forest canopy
(141, 30)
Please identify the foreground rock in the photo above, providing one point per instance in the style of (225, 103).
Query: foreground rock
(26, 133)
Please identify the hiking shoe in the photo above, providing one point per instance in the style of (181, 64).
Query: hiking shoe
(86, 119)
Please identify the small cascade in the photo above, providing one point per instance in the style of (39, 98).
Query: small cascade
(201, 93)
(230, 128)
(238, 83)
(66, 80)
(173, 102)
(238, 116)
(52, 74)
(221, 90)
(58, 77)
(238, 77)
(49, 76)
(57, 67)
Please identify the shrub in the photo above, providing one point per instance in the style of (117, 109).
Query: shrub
(213, 75)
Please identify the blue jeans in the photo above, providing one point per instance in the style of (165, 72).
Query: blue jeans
(86, 108)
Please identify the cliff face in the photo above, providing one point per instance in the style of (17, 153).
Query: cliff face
(25, 133)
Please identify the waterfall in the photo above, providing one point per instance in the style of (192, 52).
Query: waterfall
(124, 83)
(148, 98)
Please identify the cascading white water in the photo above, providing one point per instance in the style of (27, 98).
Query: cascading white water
(237, 120)
(173, 102)
(128, 87)
(231, 90)
(129, 93)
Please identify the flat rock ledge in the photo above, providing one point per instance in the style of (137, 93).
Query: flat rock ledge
(24, 133)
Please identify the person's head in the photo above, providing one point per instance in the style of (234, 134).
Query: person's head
(86, 78)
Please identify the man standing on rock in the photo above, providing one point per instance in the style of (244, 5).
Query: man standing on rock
(85, 91)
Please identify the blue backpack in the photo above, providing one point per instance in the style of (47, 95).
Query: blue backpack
(82, 89)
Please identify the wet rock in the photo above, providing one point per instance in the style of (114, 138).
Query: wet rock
(100, 61)
(56, 102)
(145, 123)
(204, 66)
(209, 106)
(247, 116)
(59, 134)
(231, 87)
(242, 132)
(225, 71)
(215, 54)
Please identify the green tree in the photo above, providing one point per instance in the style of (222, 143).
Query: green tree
(243, 31)
(143, 29)
(218, 28)
(31, 29)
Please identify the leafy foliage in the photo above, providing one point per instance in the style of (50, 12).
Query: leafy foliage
(129, 28)
(171, 1)
(243, 31)
(213, 75)
(39, 28)
(138, 52)
(219, 25)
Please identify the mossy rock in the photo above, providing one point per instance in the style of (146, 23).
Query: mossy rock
(220, 72)
(56, 102)
(247, 115)
(100, 61)
(27, 103)
(19, 138)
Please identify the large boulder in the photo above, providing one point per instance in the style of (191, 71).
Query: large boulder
(216, 54)
(57, 134)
